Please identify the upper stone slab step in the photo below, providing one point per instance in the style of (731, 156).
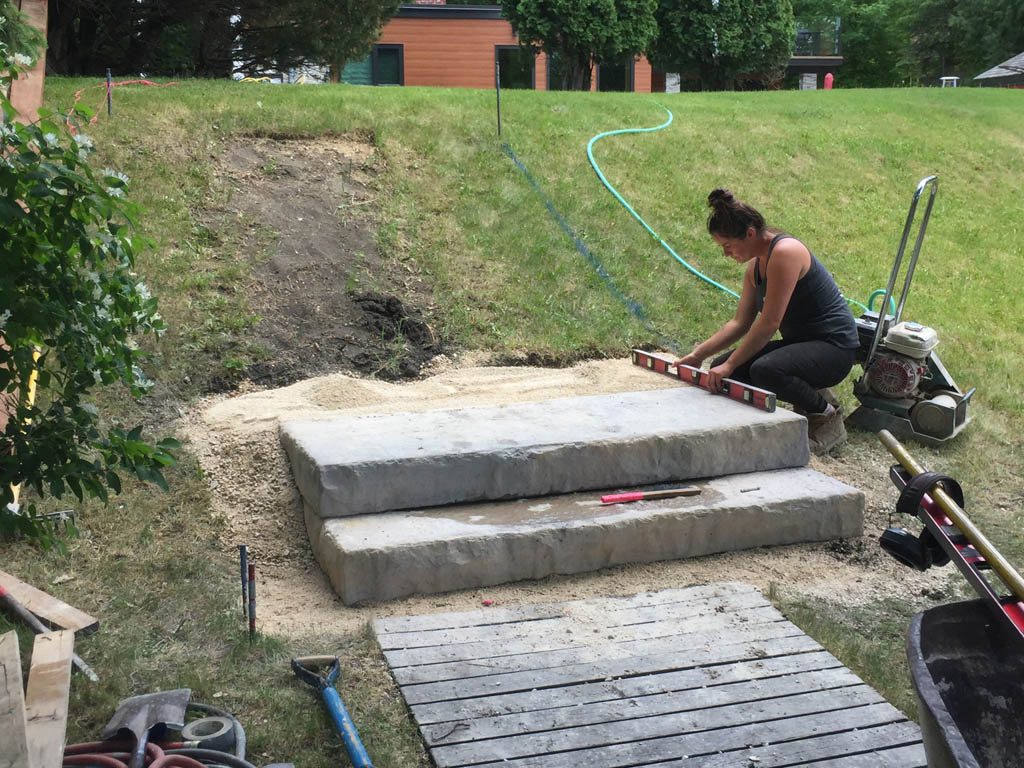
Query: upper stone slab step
(378, 463)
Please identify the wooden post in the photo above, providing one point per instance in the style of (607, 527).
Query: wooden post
(27, 90)
(46, 701)
(12, 706)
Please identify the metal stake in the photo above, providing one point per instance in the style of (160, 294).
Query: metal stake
(110, 95)
(497, 89)
(252, 602)
(243, 562)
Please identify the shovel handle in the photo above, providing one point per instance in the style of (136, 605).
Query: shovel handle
(346, 728)
(303, 667)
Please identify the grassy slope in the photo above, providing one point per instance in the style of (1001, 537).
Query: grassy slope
(835, 168)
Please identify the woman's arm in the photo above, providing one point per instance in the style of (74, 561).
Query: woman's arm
(732, 329)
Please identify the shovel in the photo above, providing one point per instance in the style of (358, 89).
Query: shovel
(146, 716)
(324, 683)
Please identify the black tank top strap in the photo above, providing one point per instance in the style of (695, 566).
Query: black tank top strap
(771, 247)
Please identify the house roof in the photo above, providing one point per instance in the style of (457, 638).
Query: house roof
(411, 11)
(1009, 68)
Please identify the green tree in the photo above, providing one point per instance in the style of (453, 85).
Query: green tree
(580, 33)
(15, 34)
(210, 38)
(725, 43)
(70, 307)
(963, 37)
(274, 36)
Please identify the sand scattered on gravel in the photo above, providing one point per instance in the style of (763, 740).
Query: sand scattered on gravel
(236, 440)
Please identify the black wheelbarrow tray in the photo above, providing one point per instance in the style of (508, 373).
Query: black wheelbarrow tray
(968, 670)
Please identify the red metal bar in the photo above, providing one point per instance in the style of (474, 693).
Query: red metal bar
(967, 557)
(736, 390)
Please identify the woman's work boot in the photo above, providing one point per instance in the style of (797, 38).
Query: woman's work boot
(830, 398)
(825, 430)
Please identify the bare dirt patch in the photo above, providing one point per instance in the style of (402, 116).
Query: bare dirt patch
(326, 299)
(237, 441)
(330, 303)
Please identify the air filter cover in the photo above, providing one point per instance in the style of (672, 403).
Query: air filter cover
(912, 339)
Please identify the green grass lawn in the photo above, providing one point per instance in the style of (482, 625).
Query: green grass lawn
(835, 168)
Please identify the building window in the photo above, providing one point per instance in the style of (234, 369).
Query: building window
(388, 65)
(515, 66)
(384, 66)
(615, 75)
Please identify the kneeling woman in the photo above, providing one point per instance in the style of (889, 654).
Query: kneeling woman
(785, 289)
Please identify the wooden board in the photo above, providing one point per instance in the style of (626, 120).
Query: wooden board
(54, 612)
(46, 700)
(13, 738)
(708, 676)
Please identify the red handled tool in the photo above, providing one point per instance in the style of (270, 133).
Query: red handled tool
(668, 493)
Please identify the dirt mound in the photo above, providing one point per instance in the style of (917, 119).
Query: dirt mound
(326, 298)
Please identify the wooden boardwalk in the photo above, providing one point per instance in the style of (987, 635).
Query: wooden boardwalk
(705, 676)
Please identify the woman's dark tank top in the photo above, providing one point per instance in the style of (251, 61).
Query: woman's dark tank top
(816, 311)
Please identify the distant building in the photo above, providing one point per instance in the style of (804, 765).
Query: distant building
(457, 46)
(1009, 74)
(816, 51)
(429, 42)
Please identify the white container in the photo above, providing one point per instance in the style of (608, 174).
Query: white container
(912, 339)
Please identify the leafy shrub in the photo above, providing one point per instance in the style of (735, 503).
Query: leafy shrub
(70, 310)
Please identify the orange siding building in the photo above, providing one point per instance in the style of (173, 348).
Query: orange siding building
(456, 46)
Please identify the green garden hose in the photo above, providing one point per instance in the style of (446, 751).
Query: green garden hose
(653, 234)
(633, 213)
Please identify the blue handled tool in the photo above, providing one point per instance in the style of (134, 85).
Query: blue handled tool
(303, 668)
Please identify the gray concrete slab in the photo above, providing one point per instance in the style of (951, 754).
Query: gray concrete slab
(384, 462)
(384, 556)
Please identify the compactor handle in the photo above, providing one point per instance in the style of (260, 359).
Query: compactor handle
(933, 182)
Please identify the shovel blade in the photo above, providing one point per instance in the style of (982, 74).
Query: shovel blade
(139, 714)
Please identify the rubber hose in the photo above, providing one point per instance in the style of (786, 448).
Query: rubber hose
(175, 760)
(652, 233)
(222, 758)
(880, 292)
(101, 761)
(637, 216)
(240, 742)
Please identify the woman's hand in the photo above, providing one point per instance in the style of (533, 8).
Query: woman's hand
(719, 372)
(691, 359)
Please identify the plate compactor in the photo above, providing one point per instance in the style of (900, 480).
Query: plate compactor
(905, 388)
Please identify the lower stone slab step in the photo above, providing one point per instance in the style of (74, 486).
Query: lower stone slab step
(389, 555)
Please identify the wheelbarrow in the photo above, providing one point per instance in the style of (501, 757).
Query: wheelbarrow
(304, 667)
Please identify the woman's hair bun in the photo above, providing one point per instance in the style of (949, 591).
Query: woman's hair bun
(719, 197)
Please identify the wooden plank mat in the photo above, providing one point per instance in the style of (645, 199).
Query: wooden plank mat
(54, 612)
(709, 676)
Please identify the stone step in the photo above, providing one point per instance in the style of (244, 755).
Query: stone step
(384, 556)
(378, 463)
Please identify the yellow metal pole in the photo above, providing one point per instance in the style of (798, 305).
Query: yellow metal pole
(16, 489)
(999, 564)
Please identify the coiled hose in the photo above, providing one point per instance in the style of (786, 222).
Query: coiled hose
(115, 754)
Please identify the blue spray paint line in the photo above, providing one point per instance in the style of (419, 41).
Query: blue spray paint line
(632, 306)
